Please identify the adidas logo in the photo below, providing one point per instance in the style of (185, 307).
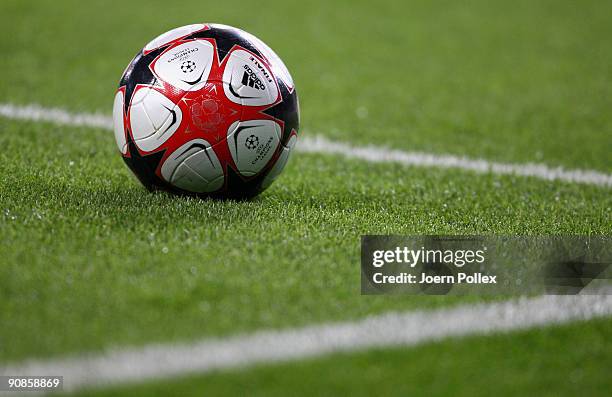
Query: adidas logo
(249, 78)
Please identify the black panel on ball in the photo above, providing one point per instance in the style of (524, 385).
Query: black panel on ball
(138, 72)
(225, 38)
(287, 110)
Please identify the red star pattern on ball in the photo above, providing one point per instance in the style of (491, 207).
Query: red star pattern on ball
(207, 112)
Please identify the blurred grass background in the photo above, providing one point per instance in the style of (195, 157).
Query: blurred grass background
(519, 81)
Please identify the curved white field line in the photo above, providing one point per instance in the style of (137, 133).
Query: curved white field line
(376, 154)
(160, 361)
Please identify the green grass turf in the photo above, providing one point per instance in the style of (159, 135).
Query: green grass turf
(91, 259)
(559, 361)
(519, 81)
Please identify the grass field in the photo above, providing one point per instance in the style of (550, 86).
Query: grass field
(90, 260)
(506, 365)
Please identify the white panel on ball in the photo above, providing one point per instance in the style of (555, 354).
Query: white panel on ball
(278, 66)
(172, 35)
(280, 164)
(118, 126)
(194, 167)
(186, 66)
(248, 81)
(153, 118)
(252, 144)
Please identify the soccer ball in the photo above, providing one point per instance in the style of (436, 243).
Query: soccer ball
(207, 110)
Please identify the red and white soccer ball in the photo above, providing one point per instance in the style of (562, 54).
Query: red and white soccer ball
(208, 110)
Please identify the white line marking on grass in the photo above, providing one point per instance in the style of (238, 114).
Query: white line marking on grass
(161, 361)
(56, 116)
(375, 154)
